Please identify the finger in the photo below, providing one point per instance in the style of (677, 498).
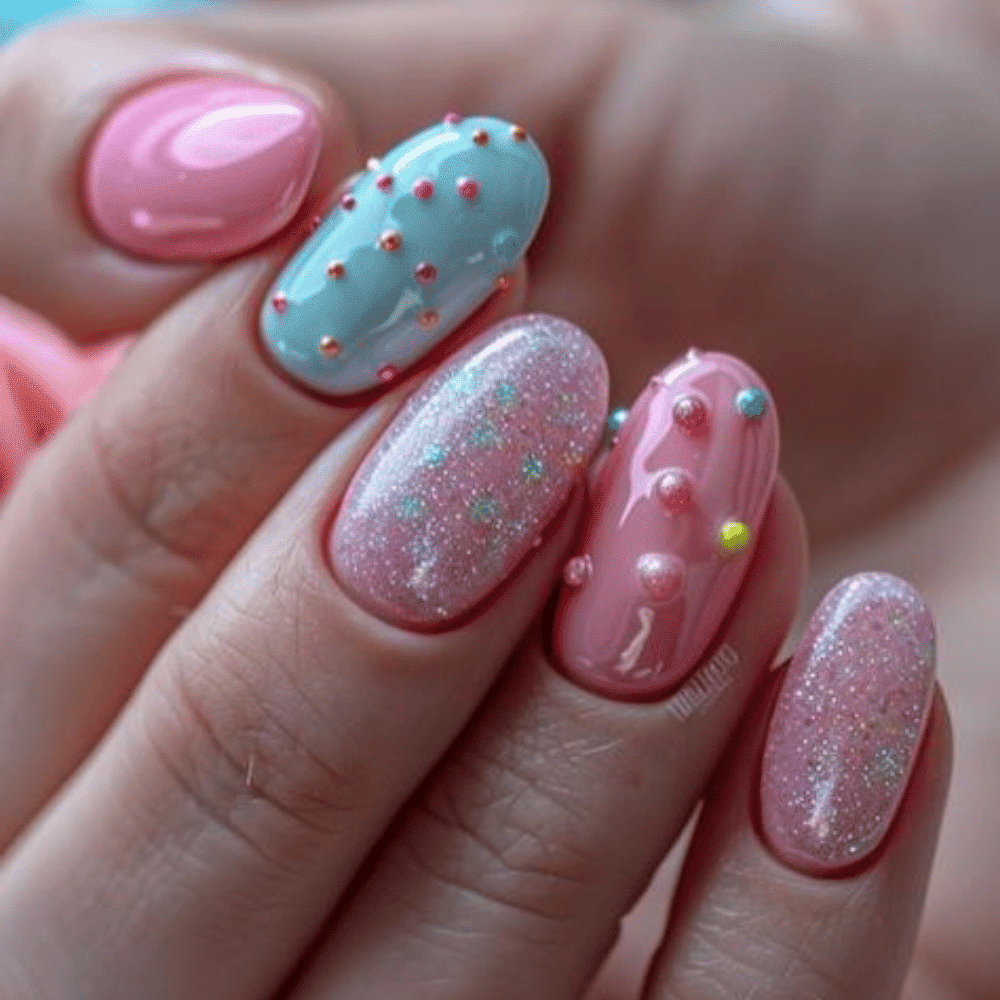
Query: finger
(46, 377)
(135, 161)
(283, 725)
(123, 522)
(852, 793)
(724, 184)
(551, 814)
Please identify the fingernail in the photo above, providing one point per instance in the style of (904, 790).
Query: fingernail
(472, 469)
(847, 724)
(201, 168)
(409, 253)
(676, 510)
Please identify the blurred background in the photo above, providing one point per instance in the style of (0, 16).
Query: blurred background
(14, 14)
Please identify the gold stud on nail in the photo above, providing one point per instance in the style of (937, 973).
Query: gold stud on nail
(329, 347)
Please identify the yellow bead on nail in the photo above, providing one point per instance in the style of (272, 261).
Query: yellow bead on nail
(734, 536)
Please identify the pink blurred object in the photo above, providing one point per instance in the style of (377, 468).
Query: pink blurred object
(45, 378)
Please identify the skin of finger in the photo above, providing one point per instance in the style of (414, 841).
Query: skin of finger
(263, 754)
(508, 874)
(127, 516)
(57, 83)
(742, 923)
(722, 185)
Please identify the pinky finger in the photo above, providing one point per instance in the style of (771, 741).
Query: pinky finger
(808, 868)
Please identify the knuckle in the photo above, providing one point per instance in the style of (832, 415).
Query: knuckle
(169, 522)
(498, 828)
(242, 743)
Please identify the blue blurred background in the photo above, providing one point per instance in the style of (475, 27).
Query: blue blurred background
(15, 14)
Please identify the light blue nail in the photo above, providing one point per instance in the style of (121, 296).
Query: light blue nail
(346, 329)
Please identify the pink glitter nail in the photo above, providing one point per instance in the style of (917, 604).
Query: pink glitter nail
(848, 723)
(475, 465)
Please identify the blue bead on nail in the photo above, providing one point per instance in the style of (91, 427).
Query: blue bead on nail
(420, 241)
(752, 403)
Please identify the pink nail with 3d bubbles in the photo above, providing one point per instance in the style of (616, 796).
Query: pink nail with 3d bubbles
(675, 514)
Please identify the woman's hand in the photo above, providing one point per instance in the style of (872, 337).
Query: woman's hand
(695, 179)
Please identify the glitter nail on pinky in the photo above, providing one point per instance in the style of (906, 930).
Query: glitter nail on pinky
(847, 724)
(475, 465)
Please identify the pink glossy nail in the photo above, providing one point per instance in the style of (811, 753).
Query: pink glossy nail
(847, 724)
(676, 510)
(475, 465)
(201, 168)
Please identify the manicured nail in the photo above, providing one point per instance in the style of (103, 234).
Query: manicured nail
(847, 724)
(201, 168)
(472, 469)
(421, 241)
(676, 510)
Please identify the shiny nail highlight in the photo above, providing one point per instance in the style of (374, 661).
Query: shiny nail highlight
(676, 510)
(471, 470)
(201, 168)
(847, 724)
(418, 243)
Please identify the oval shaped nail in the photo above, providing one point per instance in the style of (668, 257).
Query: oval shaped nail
(201, 168)
(676, 509)
(408, 254)
(475, 465)
(847, 724)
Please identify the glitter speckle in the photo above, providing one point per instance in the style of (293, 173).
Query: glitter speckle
(847, 723)
(484, 509)
(336, 269)
(412, 507)
(532, 469)
(485, 435)
(387, 373)
(348, 202)
(280, 302)
(506, 393)
(480, 137)
(428, 319)
(483, 512)
(434, 456)
(518, 133)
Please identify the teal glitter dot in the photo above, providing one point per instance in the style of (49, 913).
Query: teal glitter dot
(434, 456)
(506, 393)
(752, 403)
(412, 507)
(484, 509)
(485, 435)
(532, 468)
(616, 419)
(463, 383)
